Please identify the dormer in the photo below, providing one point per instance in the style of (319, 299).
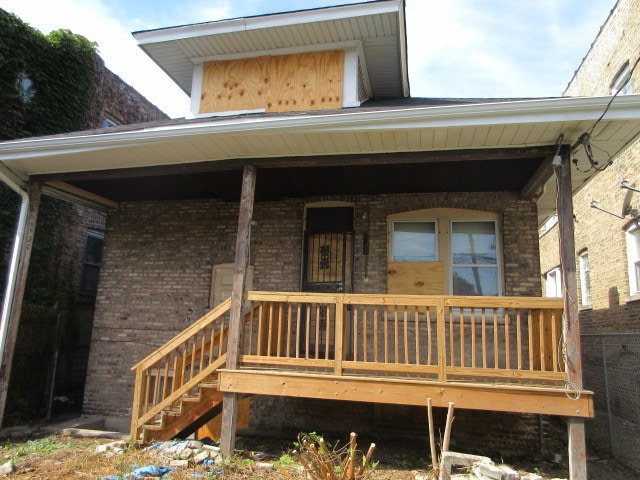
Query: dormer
(320, 59)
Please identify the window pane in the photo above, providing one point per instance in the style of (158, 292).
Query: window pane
(414, 242)
(473, 243)
(93, 252)
(475, 281)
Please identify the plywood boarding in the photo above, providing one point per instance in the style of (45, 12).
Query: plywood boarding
(283, 83)
(415, 278)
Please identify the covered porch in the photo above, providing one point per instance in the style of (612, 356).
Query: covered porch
(191, 186)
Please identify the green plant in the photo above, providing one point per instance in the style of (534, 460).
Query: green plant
(322, 462)
(40, 446)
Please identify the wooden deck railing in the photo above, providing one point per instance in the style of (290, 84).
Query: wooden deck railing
(481, 339)
(512, 340)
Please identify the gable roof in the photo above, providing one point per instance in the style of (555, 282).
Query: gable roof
(377, 28)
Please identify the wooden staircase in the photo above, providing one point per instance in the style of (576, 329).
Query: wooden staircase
(176, 389)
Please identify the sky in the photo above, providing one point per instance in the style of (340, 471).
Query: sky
(456, 48)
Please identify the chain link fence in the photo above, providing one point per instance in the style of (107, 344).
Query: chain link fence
(611, 365)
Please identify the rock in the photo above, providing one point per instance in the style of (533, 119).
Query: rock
(263, 466)
(179, 463)
(194, 444)
(6, 468)
(201, 457)
(186, 453)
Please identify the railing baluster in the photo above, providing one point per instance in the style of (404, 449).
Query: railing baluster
(543, 343)
(429, 335)
(496, 346)
(462, 340)
(280, 330)
(507, 340)
(530, 332)
(416, 326)
(472, 324)
(355, 332)
(451, 340)
(519, 338)
(484, 337)
(270, 321)
(307, 330)
(298, 331)
(260, 329)
(375, 335)
(405, 321)
(289, 323)
(554, 343)
(386, 333)
(441, 342)
(365, 334)
(317, 339)
(327, 333)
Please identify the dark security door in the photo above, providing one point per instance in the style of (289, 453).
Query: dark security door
(328, 268)
(328, 250)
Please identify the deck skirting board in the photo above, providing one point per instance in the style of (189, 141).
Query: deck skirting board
(475, 396)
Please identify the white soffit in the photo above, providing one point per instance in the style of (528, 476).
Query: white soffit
(379, 26)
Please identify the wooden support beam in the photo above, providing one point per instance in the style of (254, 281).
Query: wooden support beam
(243, 239)
(571, 324)
(34, 191)
(533, 188)
(444, 156)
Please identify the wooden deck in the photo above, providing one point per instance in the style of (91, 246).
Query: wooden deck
(486, 353)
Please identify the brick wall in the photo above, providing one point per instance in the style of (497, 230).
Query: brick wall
(610, 326)
(117, 100)
(156, 278)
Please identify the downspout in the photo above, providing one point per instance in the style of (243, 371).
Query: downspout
(15, 256)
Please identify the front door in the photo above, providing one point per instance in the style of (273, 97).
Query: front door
(327, 268)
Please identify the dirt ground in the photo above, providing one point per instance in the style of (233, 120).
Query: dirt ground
(39, 455)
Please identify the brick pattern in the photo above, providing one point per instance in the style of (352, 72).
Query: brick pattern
(156, 276)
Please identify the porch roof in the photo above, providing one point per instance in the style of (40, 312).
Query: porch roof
(383, 147)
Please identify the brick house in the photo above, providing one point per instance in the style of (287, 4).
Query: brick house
(607, 248)
(319, 240)
(63, 281)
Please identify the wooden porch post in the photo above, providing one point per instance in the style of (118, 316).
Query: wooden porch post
(571, 324)
(35, 191)
(230, 400)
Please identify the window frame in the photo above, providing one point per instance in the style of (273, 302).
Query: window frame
(621, 83)
(413, 220)
(495, 266)
(632, 237)
(585, 279)
(88, 265)
(558, 292)
(443, 218)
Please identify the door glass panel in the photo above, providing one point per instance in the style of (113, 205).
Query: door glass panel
(414, 242)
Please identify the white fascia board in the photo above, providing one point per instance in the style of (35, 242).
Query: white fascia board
(320, 47)
(402, 39)
(559, 110)
(266, 21)
(196, 89)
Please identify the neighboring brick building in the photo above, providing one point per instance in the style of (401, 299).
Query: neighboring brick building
(607, 248)
(63, 276)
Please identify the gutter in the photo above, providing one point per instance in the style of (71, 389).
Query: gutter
(15, 257)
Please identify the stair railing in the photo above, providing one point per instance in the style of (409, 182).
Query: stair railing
(179, 366)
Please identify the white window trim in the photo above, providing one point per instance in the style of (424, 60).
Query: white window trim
(554, 277)
(633, 259)
(497, 265)
(414, 220)
(585, 279)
